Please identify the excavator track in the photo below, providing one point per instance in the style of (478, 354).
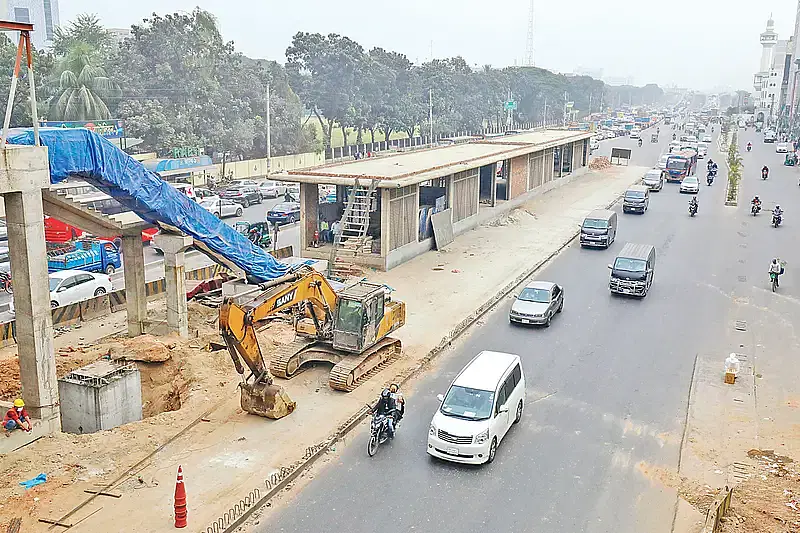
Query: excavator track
(285, 361)
(353, 370)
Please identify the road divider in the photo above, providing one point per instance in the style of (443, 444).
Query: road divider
(115, 301)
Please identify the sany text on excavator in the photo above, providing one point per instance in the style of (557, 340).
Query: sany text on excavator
(349, 329)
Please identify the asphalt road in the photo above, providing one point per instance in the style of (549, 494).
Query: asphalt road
(607, 388)
(289, 235)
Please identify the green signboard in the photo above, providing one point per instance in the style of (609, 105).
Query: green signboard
(511, 105)
(186, 151)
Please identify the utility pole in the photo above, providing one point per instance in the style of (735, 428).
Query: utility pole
(510, 112)
(565, 108)
(430, 111)
(545, 112)
(269, 132)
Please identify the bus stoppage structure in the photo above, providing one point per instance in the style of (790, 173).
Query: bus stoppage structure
(681, 165)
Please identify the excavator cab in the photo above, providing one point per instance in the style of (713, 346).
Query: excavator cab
(359, 313)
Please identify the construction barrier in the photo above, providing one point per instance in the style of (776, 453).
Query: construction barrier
(104, 304)
(95, 307)
(717, 511)
(283, 253)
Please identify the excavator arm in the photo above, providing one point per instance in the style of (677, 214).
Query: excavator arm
(307, 291)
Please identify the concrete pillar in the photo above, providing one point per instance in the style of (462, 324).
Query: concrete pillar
(174, 247)
(309, 213)
(26, 171)
(135, 294)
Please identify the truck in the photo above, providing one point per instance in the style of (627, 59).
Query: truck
(89, 255)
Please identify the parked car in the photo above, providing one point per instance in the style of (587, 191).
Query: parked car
(271, 189)
(222, 207)
(3, 230)
(243, 183)
(690, 184)
(654, 179)
(202, 193)
(243, 194)
(782, 148)
(71, 286)
(284, 213)
(537, 304)
(475, 414)
(707, 138)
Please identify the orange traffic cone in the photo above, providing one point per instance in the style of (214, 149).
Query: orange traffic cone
(180, 500)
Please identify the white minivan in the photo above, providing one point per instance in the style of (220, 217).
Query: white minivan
(482, 403)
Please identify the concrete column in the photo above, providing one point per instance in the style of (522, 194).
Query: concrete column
(386, 221)
(135, 294)
(309, 213)
(25, 221)
(174, 247)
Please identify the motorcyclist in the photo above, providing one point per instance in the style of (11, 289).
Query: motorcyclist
(756, 201)
(640, 141)
(777, 211)
(658, 131)
(693, 204)
(386, 406)
(710, 164)
(749, 146)
(775, 269)
(765, 171)
(674, 136)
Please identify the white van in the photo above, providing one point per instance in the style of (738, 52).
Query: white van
(480, 406)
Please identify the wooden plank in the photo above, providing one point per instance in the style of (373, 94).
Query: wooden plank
(54, 522)
(101, 493)
(14, 525)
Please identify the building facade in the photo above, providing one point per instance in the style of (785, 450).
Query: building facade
(43, 14)
(771, 82)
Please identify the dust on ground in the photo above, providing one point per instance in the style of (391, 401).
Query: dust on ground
(181, 378)
(697, 494)
(769, 501)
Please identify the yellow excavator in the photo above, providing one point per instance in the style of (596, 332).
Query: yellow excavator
(349, 328)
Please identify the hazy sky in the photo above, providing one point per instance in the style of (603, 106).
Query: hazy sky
(691, 43)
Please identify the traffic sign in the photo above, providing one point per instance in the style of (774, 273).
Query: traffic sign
(511, 105)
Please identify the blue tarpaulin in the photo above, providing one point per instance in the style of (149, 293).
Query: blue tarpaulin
(84, 154)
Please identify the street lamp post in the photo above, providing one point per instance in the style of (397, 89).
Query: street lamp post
(269, 133)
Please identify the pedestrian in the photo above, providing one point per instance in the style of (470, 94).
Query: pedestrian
(324, 231)
(275, 233)
(336, 228)
(17, 418)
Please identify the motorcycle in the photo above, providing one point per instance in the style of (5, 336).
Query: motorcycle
(640, 143)
(692, 210)
(378, 433)
(749, 147)
(764, 174)
(5, 282)
(710, 178)
(755, 209)
(776, 220)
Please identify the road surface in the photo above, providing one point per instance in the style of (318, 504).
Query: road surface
(607, 386)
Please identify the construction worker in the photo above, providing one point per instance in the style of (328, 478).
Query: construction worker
(17, 417)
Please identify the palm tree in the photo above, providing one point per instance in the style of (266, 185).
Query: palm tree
(82, 87)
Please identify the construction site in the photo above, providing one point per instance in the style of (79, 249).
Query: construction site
(126, 387)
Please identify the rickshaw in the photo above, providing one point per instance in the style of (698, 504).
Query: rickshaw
(256, 232)
(791, 159)
(654, 138)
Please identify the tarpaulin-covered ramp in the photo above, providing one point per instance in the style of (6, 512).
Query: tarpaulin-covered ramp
(87, 155)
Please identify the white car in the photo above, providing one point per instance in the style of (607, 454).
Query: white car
(481, 405)
(782, 148)
(71, 286)
(271, 189)
(635, 134)
(707, 139)
(222, 207)
(242, 183)
(662, 162)
(690, 184)
(702, 151)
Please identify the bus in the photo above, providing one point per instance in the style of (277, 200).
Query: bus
(681, 165)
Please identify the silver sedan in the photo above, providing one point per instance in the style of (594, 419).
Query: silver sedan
(537, 303)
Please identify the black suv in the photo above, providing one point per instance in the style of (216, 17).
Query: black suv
(243, 194)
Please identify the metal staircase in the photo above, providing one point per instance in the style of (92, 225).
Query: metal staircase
(352, 239)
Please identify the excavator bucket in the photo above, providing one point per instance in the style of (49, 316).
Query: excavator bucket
(266, 400)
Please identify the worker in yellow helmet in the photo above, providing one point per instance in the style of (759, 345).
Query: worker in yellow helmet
(17, 417)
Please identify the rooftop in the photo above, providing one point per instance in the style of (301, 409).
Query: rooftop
(485, 371)
(408, 168)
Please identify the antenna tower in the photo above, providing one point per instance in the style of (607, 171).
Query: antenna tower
(529, 44)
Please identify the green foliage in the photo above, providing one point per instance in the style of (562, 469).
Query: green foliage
(82, 86)
(43, 63)
(734, 168)
(84, 30)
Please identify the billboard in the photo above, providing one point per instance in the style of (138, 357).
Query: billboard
(110, 129)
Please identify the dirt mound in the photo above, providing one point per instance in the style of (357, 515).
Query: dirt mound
(697, 494)
(145, 348)
(599, 163)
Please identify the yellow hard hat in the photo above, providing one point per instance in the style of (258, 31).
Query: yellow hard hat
(19, 403)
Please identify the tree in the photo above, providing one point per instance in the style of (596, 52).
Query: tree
(325, 71)
(43, 63)
(82, 86)
(85, 29)
(184, 85)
